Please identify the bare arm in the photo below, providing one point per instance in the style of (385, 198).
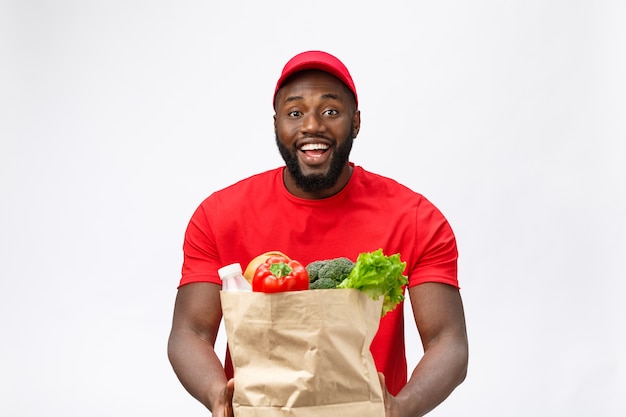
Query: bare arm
(197, 316)
(440, 319)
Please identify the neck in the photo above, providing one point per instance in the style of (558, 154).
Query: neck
(343, 179)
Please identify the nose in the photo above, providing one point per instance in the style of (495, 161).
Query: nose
(312, 123)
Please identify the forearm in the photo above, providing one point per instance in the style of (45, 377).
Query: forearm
(197, 366)
(442, 368)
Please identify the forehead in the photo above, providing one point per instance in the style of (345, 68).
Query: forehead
(313, 83)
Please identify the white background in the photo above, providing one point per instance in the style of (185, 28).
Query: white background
(118, 117)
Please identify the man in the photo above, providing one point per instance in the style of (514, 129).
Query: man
(321, 206)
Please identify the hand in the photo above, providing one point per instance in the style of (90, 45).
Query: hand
(392, 408)
(224, 405)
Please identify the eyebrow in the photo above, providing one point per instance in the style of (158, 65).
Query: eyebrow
(324, 96)
(293, 98)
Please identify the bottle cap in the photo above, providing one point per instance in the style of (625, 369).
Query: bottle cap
(229, 269)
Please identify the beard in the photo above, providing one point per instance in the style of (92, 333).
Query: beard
(316, 182)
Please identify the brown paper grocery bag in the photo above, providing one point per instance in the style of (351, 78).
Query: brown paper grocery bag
(303, 353)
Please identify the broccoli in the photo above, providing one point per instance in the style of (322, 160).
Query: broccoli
(323, 284)
(328, 273)
(313, 269)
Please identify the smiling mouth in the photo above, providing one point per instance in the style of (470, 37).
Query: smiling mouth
(314, 149)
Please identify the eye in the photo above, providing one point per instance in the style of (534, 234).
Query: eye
(330, 112)
(294, 113)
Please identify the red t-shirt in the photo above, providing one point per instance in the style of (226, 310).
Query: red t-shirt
(258, 214)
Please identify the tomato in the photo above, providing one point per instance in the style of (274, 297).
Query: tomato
(278, 274)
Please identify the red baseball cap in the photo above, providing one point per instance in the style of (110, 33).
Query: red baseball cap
(317, 60)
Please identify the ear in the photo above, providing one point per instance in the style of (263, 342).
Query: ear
(356, 123)
(274, 122)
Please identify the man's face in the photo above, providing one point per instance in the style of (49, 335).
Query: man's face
(315, 124)
(316, 182)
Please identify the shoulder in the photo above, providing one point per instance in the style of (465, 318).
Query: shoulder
(239, 195)
(383, 187)
(394, 197)
(246, 187)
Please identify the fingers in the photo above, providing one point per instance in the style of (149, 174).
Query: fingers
(388, 399)
(383, 386)
(230, 389)
(226, 400)
(227, 396)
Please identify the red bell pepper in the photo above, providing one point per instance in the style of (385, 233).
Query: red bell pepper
(278, 274)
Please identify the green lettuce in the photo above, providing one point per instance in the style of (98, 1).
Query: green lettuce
(378, 275)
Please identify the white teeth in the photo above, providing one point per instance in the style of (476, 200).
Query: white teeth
(314, 147)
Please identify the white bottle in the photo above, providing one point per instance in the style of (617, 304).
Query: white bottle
(233, 279)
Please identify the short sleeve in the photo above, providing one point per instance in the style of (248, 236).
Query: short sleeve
(436, 249)
(201, 259)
